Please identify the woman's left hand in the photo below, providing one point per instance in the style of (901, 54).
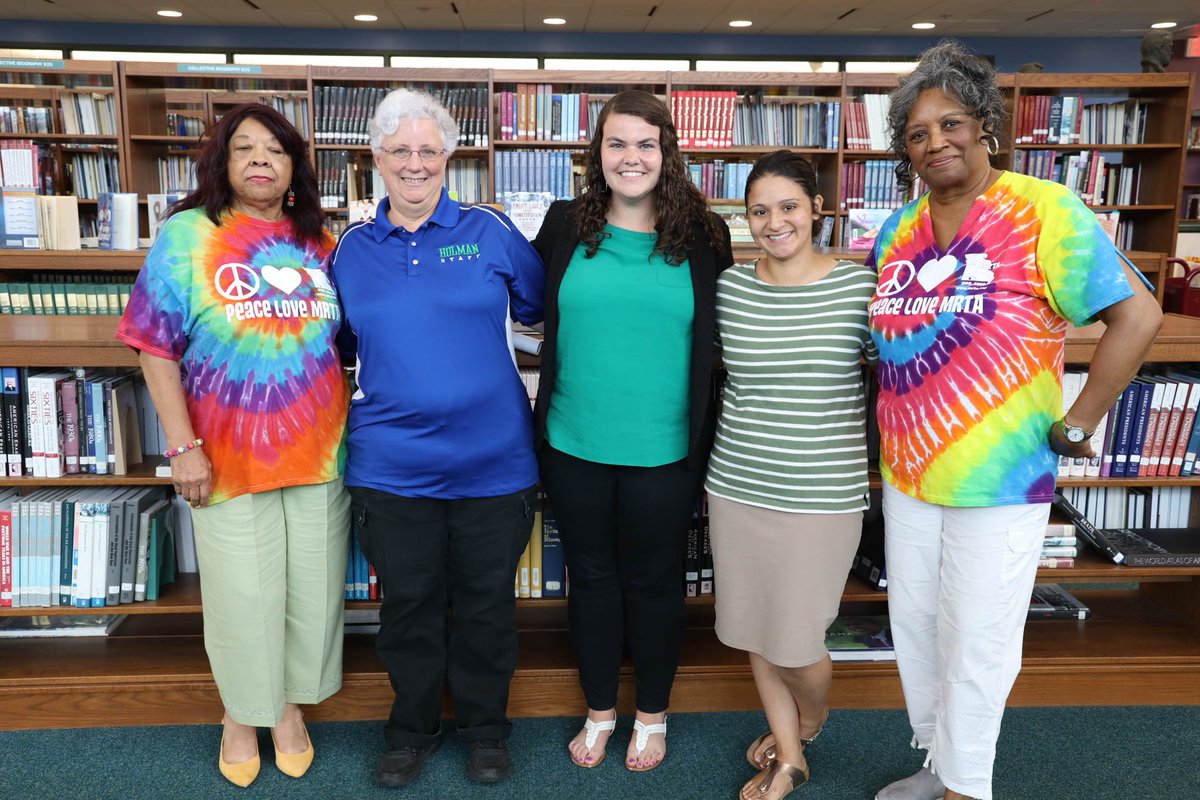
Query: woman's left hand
(1060, 444)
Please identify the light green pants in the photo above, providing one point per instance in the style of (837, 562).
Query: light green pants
(272, 579)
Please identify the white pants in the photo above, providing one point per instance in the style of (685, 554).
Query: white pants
(959, 582)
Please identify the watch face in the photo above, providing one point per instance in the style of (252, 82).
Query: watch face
(1075, 435)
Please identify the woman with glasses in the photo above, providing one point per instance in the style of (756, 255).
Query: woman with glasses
(440, 469)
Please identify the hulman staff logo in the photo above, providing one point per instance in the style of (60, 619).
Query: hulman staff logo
(466, 251)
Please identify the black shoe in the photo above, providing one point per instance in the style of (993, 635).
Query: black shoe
(489, 762)
(402, 766)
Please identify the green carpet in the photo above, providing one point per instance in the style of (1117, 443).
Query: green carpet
(1064, 754)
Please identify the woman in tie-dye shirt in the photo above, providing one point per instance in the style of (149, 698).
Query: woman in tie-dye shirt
(978, 280)
(234, 318)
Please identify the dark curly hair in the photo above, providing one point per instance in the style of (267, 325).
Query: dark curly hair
(792, 166)
(967, 78)
(213, 193)
(678, 204)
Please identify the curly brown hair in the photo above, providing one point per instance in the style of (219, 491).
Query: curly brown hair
(678, 204)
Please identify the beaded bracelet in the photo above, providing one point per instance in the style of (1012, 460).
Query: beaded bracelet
(183, 448)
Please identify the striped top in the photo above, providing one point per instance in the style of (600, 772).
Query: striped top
(792, 431)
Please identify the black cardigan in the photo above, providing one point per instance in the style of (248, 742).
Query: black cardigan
(556, 242)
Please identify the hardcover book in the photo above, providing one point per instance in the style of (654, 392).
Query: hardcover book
(860, 638)
(1051, 601)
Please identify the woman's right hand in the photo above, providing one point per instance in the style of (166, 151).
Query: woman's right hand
(191, 473)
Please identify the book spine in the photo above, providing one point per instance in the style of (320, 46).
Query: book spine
(1140, 425)
(6, 554)
(1087, 531)
(66, 553)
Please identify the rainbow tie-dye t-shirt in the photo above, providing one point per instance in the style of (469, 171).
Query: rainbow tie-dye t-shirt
(250, 315)
(971, 339)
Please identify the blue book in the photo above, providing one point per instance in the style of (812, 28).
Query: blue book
(1138, 431)
(554, 570)
(96, 424)
(360, 573)
(1123, 423)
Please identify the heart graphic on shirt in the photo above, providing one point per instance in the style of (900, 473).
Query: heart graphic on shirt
(285, 280)
(934, 271)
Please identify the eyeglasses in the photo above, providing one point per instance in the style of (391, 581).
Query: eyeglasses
(402, 154)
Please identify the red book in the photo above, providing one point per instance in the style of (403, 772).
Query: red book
(1146, 467)
(1185, 430)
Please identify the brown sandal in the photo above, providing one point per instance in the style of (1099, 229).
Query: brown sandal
(796, 777)
(767, 755)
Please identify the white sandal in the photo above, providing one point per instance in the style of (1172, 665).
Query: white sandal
(594, 729)
(642, 733)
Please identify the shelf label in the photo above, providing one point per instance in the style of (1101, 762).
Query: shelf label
(30, 63)
(225, 69)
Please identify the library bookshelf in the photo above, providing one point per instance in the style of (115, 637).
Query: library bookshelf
(1142, 645)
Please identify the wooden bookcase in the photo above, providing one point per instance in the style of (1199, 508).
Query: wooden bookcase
(1141, 647)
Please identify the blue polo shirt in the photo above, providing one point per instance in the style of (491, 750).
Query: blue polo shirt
(440, 409)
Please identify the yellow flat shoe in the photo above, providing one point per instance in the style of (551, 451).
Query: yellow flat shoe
(240, 774)
(293, 765)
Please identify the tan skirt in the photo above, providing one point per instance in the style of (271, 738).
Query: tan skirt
(779, 577)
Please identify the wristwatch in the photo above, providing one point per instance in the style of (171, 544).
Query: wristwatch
(1073, 433)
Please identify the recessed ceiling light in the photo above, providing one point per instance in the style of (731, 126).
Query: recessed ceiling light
(1164, 25)
(165, 13)
(366, 18)
(923, 26)
(740, 23)
(554, 21)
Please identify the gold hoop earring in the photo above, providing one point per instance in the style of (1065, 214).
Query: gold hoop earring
(992, 143)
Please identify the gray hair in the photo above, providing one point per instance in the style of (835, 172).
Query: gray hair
(407, 104)
(968, 79)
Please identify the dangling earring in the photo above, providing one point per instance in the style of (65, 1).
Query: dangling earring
(291, 198)
(992, 144)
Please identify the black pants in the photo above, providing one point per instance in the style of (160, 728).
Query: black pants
(446, 568)
(624, 531)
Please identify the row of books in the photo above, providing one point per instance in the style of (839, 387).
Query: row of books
(19, 167)
(26, 119)
(1075, 119)
(343, 112)
(535, 171)
(176, 174)
(775, 121)
(333, 177)
(872, 184)
(704, 118)
(1132, 506)
(1149, 431)
(467, 179)
(89, 113)
(93, 174)
(1138, 546)
(63, 422)
(1098, 179)
(293, 107)
(535, 112)
(84, 548)
(719, 178)
(1193, 135)
(106, 298)
(866, 123)
(83, 113)
(184, 124)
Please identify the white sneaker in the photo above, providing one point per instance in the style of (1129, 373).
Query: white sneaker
(924, 785)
